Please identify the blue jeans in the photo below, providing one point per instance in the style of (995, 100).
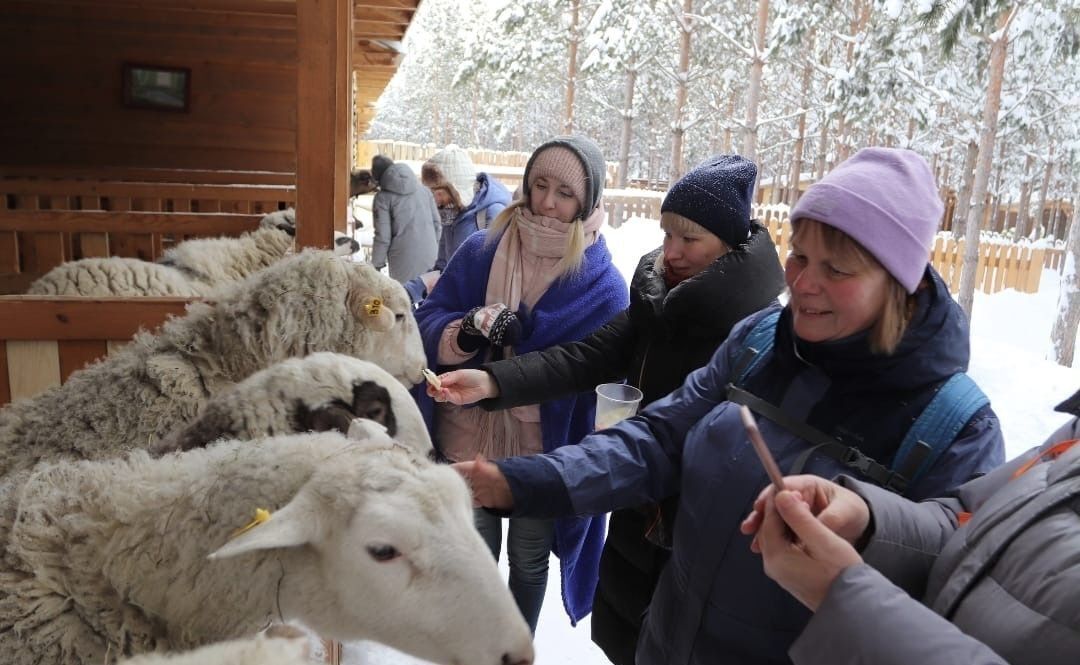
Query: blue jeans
(528, 548)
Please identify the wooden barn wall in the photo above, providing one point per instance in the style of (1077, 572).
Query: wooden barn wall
(62, 85)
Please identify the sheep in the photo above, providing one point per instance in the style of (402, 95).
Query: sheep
(306, 303)
(320, 392)
(344, 245)
(191, 269)
(259, 650)
(364, 540)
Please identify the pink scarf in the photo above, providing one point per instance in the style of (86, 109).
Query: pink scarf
(529, 253)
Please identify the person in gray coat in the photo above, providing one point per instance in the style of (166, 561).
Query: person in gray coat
(406, 221)
(996, 564)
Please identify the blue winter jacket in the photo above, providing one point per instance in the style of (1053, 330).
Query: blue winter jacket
(714, 603)
(491, 197)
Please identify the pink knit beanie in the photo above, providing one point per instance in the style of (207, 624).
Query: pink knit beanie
(560, 162)
(886, 199)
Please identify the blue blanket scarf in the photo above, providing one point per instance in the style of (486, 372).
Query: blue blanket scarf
(572, 308)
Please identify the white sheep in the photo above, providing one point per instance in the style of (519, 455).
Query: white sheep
(306, 303)
(319, 392)
(192, 268)
(344, 245)
(259, 650)
(364, 540)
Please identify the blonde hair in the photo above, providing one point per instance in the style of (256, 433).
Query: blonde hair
(574, 255)
(892, 321)
(674, 223)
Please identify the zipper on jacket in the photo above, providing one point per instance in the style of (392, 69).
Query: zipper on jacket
(641, 374)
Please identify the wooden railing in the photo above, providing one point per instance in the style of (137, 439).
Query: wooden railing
(44, 340)
(34, 242)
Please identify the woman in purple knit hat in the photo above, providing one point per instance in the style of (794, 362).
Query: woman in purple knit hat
(860, 373)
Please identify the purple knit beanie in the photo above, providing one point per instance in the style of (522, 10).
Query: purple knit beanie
(887, 200)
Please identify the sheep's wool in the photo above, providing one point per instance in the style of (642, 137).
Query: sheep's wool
(304, 304)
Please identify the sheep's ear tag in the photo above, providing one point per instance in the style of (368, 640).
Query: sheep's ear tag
(373, 306)
(261, 515)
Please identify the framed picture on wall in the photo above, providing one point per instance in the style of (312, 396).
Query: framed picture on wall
(157, 87)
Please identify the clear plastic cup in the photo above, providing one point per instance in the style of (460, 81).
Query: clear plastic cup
(615, 401)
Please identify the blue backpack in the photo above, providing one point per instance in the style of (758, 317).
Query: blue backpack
(954, 403)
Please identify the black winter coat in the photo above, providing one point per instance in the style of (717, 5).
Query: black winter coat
(661, 337)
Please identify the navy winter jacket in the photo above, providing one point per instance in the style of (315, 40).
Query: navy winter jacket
(714, 603)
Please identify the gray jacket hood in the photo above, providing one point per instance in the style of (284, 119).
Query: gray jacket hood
(399, 179)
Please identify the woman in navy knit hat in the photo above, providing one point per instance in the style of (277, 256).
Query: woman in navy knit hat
(860, 373)
(716, 267)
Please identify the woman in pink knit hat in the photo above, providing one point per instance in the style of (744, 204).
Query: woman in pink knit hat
(860, 373)
(540, 275)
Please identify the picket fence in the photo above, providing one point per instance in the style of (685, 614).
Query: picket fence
(1000, 265)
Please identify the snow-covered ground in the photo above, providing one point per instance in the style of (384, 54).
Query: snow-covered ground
(1010, 345)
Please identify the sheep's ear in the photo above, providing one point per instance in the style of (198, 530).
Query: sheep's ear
(373, 312)
(293, 525)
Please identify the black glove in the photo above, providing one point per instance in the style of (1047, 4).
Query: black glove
(469, 338)
(496, 323)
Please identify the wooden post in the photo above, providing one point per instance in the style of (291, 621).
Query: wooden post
(324, 41)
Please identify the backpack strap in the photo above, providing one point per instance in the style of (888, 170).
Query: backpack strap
(849, 456)
(757, 343)
(952, 406)
(481, 219)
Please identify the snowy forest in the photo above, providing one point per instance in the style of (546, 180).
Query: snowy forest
(987, 90)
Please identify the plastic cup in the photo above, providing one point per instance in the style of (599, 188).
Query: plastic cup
(615, 401)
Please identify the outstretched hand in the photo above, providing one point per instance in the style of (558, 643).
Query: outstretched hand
(464, 386)
(489, 486)
(838, 508)
(800, 552)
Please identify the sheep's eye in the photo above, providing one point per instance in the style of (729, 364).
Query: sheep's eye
(383, 553)
(399, 317)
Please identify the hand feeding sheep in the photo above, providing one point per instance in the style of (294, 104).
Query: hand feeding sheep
(193, 268)
(365, 540)
(306, 303)
(320, 392)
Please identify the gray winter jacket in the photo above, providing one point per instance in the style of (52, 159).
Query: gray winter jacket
(1007, 583)
(406, 224)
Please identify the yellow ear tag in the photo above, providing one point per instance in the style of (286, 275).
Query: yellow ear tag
(373, 306)
(261, 515)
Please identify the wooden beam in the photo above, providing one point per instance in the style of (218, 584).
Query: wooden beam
(95, 221)
(166, 190)
(324, 39)
(127, 173)
(384, 15)
(386, 4)
(210, 16)
(284, 7)
(363, 54)
(53, 318)
(375, 30)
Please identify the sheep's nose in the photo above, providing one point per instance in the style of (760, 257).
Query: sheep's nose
(518, 659)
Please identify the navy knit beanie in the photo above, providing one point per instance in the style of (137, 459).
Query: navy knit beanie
(716, 194)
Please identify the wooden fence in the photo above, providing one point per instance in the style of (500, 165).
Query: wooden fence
(43, 340)
(48, 217)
